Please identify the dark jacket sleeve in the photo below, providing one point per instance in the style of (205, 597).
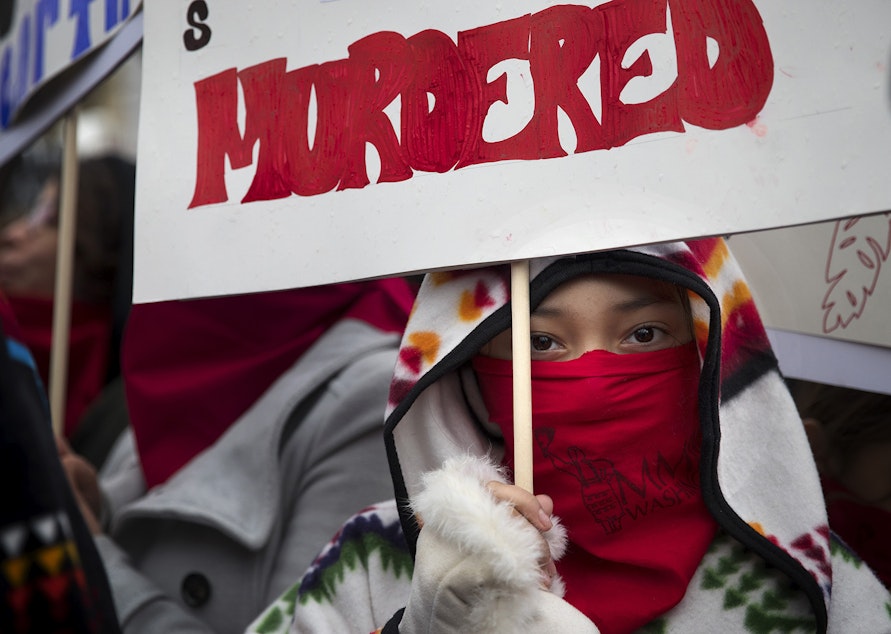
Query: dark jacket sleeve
(53, 579)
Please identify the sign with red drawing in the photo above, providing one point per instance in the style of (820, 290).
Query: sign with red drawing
(833, 283)
(824, 291)
(320, 141)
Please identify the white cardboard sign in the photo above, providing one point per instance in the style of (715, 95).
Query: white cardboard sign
(45, 37)
(307, 142)
(830, 279)
(824, 292)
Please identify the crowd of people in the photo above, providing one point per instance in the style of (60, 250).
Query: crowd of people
(340, 458)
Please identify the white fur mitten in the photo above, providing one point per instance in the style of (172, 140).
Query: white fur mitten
(477, 562)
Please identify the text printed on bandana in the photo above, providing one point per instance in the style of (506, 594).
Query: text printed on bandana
(311, 125)
(610, 495)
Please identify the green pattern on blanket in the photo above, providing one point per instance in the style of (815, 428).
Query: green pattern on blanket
(659, 626)
(354, 553)
(280, 613)
(766, 595)
(836, 548)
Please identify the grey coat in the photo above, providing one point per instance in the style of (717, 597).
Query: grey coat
(210, 548)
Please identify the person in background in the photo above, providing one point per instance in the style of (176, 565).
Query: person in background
(256, 430)
(850, 434)
(51, 576)
(102, 283)
(663, 438)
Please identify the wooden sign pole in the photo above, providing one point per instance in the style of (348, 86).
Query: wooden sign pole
(522, 378)
(58, 379)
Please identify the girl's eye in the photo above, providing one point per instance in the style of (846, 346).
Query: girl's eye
(541, 343)
(645, 334)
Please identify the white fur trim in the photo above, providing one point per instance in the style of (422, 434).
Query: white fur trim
(457, 505)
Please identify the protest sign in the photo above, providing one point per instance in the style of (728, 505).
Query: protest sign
(310, 142)
(52, 53)
(824, 291)
(42, 38)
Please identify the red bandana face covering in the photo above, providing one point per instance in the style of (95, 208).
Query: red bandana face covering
(192, 368)
(89, 342)
(617, 446)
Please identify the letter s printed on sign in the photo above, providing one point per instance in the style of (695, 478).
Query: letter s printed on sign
(198, 36)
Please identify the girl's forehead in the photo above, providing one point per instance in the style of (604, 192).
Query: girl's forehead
(613, 287)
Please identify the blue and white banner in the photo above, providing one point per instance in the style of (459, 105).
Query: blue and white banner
(52, 53)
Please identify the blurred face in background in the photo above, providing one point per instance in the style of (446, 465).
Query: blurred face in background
(28, 248)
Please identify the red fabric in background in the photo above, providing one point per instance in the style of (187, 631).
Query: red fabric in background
(8, 319)
(865, 528)
(191, 368)
(88, 349)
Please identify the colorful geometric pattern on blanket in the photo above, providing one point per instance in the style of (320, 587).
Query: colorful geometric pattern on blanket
(370, 548)
(753, 597)
(732, 591)
(470, 297)
(277, 617)
(809, 547)
(769, 602)
(42, 581)
(365, 534)
(745, 348)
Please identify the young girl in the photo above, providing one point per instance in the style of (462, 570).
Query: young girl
(665, 440)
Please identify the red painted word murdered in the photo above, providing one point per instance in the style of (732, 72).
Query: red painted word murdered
(446, 132)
